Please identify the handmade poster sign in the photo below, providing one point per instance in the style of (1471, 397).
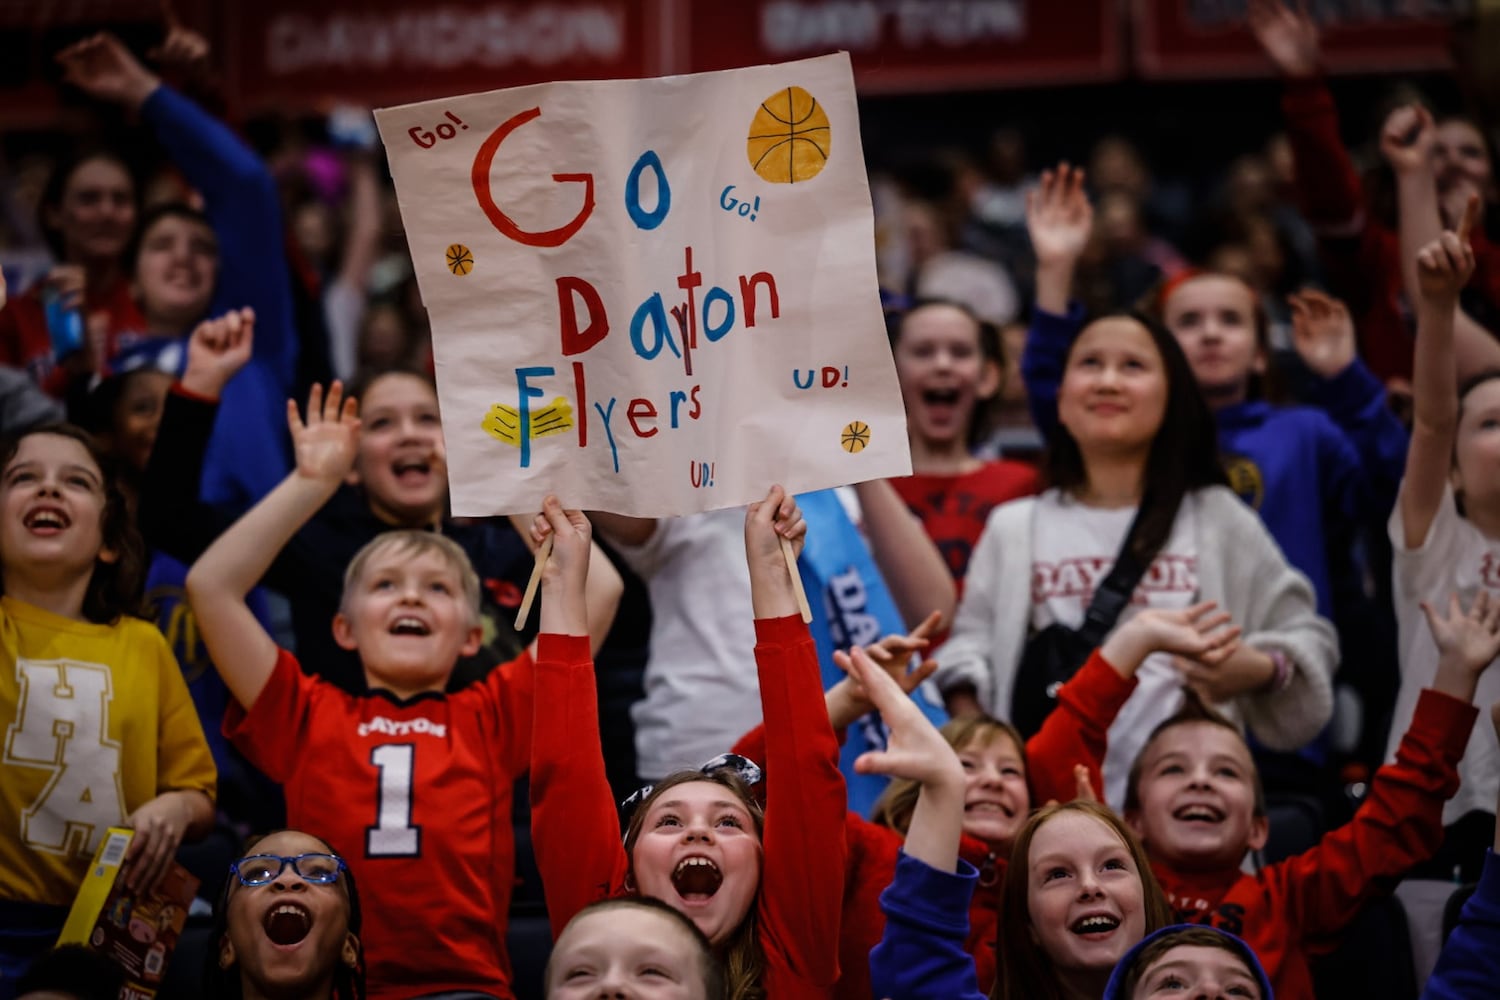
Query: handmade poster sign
(651, 297)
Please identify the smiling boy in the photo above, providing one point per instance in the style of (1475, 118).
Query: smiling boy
(416, 783)
(1195, 800)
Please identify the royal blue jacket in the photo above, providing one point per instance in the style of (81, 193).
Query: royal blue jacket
(1469, 967)
(921, 954)
(249, 451)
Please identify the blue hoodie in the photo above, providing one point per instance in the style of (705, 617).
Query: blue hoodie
(1469, 967)
(1116, 988)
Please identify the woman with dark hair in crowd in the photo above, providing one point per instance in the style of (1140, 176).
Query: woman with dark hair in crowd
(1134, 469)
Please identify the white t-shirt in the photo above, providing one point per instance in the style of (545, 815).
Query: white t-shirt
(1454, 557)
(1073, 549)
(702, 692)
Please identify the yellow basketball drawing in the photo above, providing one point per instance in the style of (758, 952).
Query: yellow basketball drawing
(460, 261)
(790, 137)
(855, 437)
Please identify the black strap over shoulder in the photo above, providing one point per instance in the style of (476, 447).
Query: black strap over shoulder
(1114, 592)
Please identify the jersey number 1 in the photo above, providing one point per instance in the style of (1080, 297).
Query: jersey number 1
(393, 834)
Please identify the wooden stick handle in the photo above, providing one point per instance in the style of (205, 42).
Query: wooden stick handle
(542, 555)
(791, 567)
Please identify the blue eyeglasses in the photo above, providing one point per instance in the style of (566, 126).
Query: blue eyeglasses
(262, 869)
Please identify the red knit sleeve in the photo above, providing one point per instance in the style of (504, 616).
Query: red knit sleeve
(1399, 825)
(802, 882)
(1077, 732)
(575, 828)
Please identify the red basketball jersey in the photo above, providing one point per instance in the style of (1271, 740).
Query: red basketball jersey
(416, 796)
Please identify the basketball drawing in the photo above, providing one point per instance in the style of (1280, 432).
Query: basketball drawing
(460, 261)
(855, 437)
(790, 137)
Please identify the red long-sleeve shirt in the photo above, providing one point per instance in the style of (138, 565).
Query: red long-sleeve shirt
(1301, 906)
(1071, 735)
(1361, 254)
(575, 824)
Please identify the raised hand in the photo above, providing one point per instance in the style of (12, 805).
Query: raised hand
(1201, 632)
(1322, 332)
(565, 576)
(1467, 641)
(915, 749)
(102, 67)
(770, 520)
(1445, 265)
(848, 700)
(326, 444)
(894, 652)
(217, 350)
(1059, 216)
(1406, 139)
(182, 48)
(1289, 36)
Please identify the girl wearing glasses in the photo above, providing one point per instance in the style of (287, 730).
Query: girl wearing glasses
(287, 925)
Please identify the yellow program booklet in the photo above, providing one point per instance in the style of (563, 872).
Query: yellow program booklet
(137, 931)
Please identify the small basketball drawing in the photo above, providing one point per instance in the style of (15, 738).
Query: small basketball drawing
(856, 437)
(790, 137)
(460, 261)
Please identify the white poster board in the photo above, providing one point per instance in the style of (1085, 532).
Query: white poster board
(650, 297)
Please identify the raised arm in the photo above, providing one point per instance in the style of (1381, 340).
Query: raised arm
(240, 196)
(1060, 220)
(1328, 186)
(172, 516)
(913, 569)
(1077, 731)
(802, 883)
(574, 825)
(1324, 337)
(243, 652)
(1443, 268)
(602, 593)
(921, 952)
(1400, 823)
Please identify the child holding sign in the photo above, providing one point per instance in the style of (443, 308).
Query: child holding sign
(420, 781)
(764, 885)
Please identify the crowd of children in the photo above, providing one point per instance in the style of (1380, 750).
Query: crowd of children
(237, 616)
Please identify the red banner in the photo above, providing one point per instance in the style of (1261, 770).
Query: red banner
(913, 45)
(1208, 38)
(382, 52)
